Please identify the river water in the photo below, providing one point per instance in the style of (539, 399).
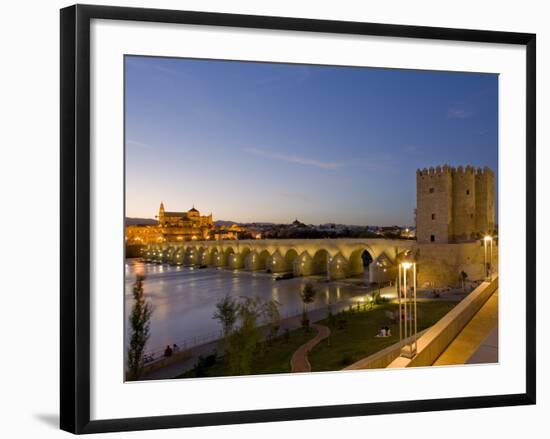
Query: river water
(184, 298)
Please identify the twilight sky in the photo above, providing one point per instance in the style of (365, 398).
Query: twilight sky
(274, 142)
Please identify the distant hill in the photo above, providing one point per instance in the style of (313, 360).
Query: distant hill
(224, 223)
(230, 223)
(141, 222)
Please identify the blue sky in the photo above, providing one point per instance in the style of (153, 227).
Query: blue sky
(274, 142)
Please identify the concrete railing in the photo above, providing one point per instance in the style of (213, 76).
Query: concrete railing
(436, 339)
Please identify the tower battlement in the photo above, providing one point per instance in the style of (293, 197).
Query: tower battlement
(454, 170)
(454, 204)
(434, 171)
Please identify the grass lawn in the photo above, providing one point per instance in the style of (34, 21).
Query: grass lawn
(357, 339)
(275, 357)
(354, 341)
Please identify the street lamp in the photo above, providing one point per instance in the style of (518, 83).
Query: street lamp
(488, 266)
(406, 287)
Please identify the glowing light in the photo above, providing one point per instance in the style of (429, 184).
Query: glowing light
(488, 238)
(406, 265)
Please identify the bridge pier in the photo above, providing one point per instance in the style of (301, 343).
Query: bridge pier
(204, 257)
(178, 256)
(191, 257)
(255, 261)
(219, 259)
(338, 268)
(235, 261)
(303, 265)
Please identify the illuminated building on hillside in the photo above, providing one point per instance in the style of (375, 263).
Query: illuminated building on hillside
(179, 226)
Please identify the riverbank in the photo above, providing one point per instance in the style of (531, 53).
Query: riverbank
(352, 336)
(184, 299)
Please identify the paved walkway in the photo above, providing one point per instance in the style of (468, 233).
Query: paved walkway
(487, 351)
(299, 361)
(478, 341)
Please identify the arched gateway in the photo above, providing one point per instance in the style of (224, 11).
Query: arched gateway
(335, 258)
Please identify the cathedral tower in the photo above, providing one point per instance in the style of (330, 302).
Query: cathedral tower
(161, 214)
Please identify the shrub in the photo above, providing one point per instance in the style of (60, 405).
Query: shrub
(347, 359)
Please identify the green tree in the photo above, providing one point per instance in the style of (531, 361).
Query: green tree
(244, 336)
(308, 296)
(140, 319)
(243, 340)
(226, 313)
(270, 310)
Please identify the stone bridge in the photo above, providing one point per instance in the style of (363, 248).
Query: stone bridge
(333, 258)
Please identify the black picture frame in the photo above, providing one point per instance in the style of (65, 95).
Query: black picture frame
(75, 217)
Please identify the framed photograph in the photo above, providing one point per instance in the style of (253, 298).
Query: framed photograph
(268, 218)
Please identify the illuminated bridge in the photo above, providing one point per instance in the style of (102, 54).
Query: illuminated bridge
(334, 258)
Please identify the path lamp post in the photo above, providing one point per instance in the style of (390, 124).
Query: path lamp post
(488, 264)
(407, 308)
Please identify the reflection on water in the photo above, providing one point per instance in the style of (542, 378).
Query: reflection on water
(184, 298)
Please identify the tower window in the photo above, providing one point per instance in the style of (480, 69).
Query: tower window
(432, 238)
(431, 190)
(467, 191)
(471, 215)
(433, 216)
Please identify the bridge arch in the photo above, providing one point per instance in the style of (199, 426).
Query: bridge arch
(290, 256)
(360, 260)
(320, 261)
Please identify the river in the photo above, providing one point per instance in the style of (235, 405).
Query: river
(184, 298)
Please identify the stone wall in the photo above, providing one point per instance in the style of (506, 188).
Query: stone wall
(440, 264)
